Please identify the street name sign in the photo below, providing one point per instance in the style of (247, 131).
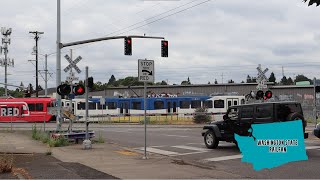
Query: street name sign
(146, 70)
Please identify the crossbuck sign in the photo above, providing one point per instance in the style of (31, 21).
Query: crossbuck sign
(73, 64)
(146, 70)
(262, 78)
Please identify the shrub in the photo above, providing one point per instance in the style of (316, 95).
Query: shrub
(6, 163)
(201, 116)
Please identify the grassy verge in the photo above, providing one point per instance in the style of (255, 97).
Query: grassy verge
(45, 138)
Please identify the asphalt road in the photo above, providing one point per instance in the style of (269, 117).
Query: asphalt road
(186, 144)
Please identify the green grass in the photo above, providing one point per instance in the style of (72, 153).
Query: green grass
(45, 138)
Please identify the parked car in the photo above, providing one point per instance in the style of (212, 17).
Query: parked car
(239, 119)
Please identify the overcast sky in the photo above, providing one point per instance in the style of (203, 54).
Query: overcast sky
(206, 38)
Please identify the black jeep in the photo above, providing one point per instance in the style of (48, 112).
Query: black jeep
(238, 119)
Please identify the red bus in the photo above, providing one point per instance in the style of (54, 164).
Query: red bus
(26, 109)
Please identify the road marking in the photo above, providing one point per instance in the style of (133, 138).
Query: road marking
(191, 148)
(159, 151)
(183, 154)
(176, 135)
(127, 153)
(223, 158)
(313, 147)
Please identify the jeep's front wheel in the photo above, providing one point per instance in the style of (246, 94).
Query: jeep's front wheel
(211, 140)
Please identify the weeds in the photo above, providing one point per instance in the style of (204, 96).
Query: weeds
(44, 137)
(6, 163)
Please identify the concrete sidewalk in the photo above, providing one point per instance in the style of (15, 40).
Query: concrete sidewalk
(113, 159)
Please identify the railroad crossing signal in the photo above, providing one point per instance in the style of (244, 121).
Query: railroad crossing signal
(73, 64)
(262, 78)
(65, 89)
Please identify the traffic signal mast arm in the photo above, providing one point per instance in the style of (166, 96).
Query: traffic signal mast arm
(105, 39)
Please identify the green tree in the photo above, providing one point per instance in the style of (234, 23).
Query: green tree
(284, 81)
(112, 81)
(272, 78)
(301, 77)
(249, 80)
(215, 81)
(230, 81)
(290, 81)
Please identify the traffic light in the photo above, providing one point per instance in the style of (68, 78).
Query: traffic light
(128, 46)
(90, 82)
(63, 89)
(313, 1)
(268, 94)
(164, 48)
(79, 90)
(259, 95)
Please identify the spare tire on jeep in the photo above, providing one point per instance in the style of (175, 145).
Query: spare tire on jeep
(295, 116)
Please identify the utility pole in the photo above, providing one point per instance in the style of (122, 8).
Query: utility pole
(46, 76)
(36, 37)
(6, 32)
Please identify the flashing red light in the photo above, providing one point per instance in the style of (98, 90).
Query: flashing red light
(79, 90)
(129, 41)
(268, 94)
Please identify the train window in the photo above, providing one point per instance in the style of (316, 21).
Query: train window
(158, 105)
(32, 107)
(207, 104)
(219, 103)
(39, 107)
(242, 101)
(136, 105)
(92, 105)
(184, 104)
(196, 104)
(101, 106)
(112, 105)
(81, 106)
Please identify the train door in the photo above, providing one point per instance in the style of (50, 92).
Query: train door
(171, 106)
(232, 102)
(124, 107)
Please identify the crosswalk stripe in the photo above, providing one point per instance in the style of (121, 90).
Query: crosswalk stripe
(313, 147)
(191, 148)
(160, 151)
(223, 158)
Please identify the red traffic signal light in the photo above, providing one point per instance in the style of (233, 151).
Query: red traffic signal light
(128, 46)
(164, 48)
(79, 90)
(268, 94)
(63, 89)
(259, 94)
